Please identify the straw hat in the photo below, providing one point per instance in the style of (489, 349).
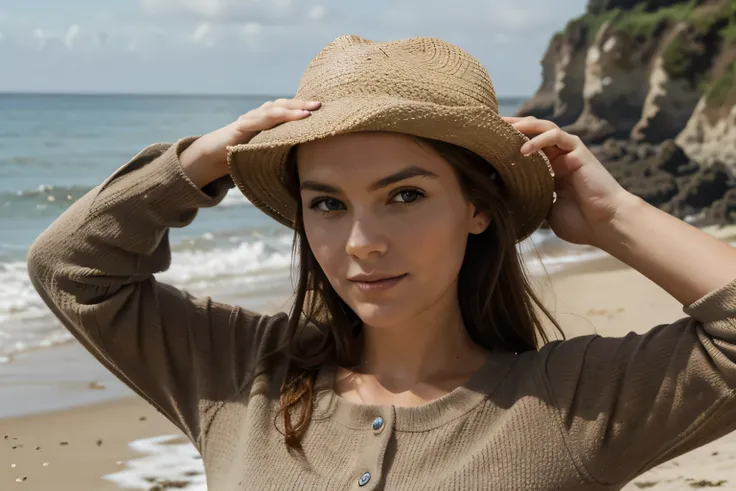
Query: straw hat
(423, 87)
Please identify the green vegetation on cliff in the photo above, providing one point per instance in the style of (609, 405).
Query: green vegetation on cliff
(704, 28)
(723, 90)
(641, 22)
(684, 55)
(729, 32)
(637, 21)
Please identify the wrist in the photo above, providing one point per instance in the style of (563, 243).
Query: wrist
(615, 233)
(203, 163)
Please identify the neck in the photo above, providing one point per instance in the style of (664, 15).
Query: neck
(432, 346)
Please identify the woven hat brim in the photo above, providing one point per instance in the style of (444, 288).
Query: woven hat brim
(257, 167)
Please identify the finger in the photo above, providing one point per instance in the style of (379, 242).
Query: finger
(567, 162)
(277, 114)
(514, 119)
(553, 152)
(267, 117)
(553, 137)
(296, 104)
(530, 126)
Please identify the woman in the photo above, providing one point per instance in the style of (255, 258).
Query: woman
(411, 359)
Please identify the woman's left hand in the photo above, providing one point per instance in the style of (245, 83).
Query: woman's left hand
(588, 197)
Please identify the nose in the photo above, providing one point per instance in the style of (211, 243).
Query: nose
(366, 238)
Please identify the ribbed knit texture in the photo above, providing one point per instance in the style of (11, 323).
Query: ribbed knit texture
(588, 413)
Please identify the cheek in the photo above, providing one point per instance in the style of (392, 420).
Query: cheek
(434, 243)
(327, 244)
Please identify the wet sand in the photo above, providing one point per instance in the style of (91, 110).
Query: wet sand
(78, 445)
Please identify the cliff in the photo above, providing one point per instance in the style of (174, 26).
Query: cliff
(650, 85)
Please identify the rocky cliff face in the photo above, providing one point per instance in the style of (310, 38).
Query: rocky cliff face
(651, 86)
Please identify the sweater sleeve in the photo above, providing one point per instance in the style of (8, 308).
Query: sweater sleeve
(628, 404)
(94, 268)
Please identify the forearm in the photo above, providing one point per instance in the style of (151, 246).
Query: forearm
(205, 160)
(686, 262)
(118, 230)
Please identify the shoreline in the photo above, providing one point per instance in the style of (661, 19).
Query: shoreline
(66, 376)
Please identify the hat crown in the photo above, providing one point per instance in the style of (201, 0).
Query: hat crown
(420, 69)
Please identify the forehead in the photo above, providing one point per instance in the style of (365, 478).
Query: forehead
(365, 154)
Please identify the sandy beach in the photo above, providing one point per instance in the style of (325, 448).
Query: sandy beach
(71, 449)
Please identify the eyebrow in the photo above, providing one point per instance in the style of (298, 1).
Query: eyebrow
(409, 172)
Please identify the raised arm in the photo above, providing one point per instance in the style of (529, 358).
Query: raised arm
(628, 404)
(683, 260)
(94, 267)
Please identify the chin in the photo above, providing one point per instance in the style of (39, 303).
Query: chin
(381, 315)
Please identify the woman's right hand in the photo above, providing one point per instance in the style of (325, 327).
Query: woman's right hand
(205, 160)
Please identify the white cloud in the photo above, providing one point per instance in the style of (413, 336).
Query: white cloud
(224, 11)
(252, 29)
(201, 32)
(317, 12)
(282, 5)
(203, 8)
(145, 36)
(41, 37)
(253, 36)
(202, 35)
(260, 31)
(508, 15)
(71, 36)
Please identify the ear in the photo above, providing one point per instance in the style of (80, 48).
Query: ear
(479, 223)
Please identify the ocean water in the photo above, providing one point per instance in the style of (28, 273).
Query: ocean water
(163, 458)
(55, 148)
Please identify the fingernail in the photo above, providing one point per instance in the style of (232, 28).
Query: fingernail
(314, 103)
(525, 150)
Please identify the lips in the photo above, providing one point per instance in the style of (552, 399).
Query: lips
(374, 283)
(373, 278)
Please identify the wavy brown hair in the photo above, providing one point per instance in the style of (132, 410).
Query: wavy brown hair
(496, 299)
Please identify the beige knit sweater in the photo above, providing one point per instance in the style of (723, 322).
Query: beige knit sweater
(587, 413)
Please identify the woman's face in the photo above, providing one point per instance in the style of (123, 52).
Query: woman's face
(387, 221)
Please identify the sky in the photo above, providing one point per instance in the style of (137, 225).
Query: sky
(252, 46)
